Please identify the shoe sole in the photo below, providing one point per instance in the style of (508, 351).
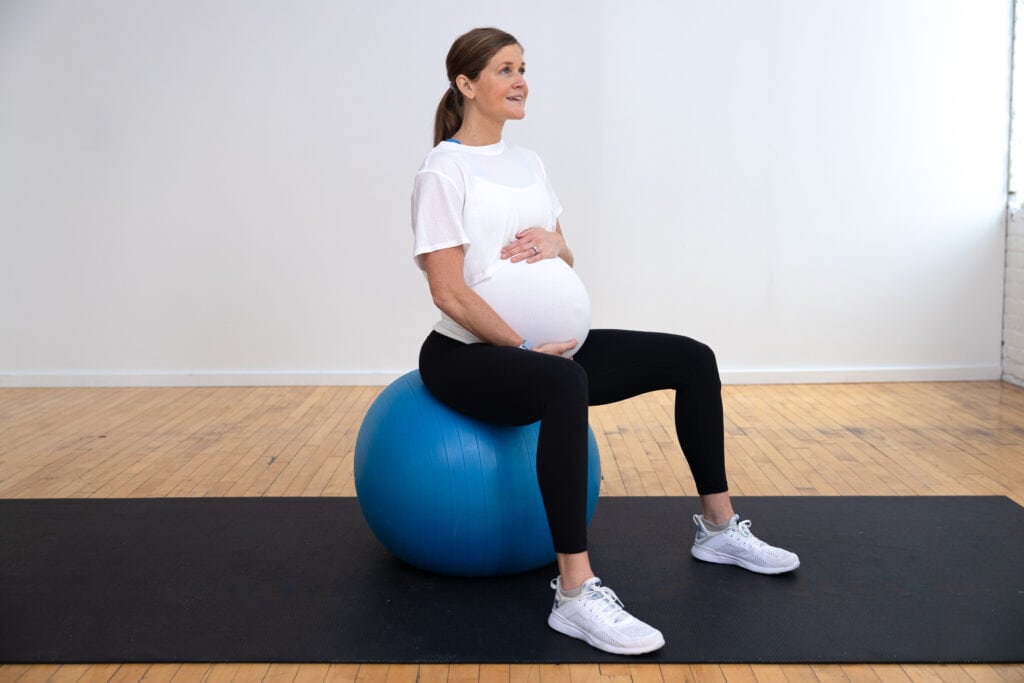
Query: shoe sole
(562, 626)
(708, 555)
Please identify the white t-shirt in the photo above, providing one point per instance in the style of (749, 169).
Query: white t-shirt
(480, 197)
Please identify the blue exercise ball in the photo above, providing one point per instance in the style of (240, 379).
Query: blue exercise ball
(450, 494)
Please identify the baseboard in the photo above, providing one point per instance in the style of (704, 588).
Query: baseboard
(1013, 379)
(965, 373)
(950, 373)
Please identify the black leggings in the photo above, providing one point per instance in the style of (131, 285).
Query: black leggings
(509, 386)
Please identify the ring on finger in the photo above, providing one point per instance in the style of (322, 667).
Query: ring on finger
(536, 251)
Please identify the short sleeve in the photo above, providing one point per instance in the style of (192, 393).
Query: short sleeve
(437, 203)
(556, 206)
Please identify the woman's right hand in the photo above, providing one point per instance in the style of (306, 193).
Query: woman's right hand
(556, 348)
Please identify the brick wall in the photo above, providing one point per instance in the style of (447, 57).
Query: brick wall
(1013, 282)
(1013, 307)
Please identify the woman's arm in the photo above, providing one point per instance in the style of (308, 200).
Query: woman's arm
(453, 296)
(565, 253)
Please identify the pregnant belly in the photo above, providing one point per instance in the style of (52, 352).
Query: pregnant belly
(544, 301)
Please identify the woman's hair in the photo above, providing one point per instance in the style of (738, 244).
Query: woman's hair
(467, 57)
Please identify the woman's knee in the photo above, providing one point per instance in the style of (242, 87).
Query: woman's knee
(567, 380)
(703, 363)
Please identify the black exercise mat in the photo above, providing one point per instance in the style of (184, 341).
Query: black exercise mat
(884, 579)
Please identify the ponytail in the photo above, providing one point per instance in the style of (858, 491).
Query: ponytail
(448, 118)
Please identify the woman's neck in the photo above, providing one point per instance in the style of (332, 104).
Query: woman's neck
(479, 133)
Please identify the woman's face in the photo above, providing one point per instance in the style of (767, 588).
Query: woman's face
(500, 91)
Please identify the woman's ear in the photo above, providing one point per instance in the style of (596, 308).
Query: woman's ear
(465, 86)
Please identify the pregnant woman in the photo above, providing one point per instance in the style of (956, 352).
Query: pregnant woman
(514, 344)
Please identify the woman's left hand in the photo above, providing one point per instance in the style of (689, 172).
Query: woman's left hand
(534, 244)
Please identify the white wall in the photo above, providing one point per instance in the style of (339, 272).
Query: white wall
(204, 193)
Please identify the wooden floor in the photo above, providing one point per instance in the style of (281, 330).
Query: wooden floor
(868, 439)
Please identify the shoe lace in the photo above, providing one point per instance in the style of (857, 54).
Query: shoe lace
(604, 605)
(747, 536)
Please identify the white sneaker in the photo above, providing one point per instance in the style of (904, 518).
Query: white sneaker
(597, 616)
(736, 545)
